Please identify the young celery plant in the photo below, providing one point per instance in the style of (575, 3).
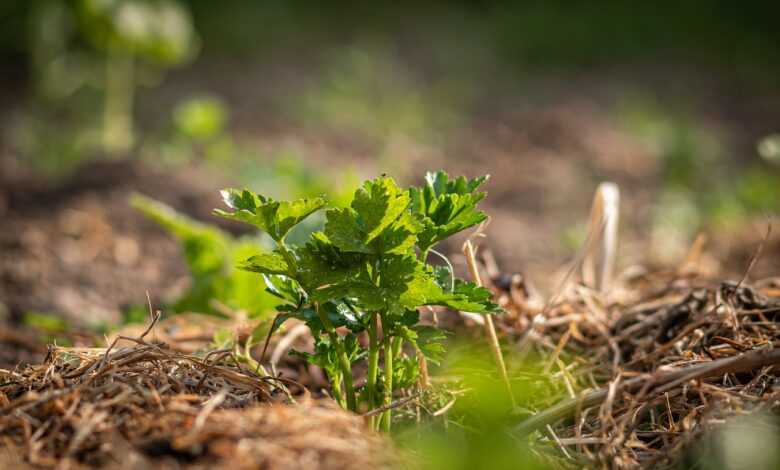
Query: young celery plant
(366, 266)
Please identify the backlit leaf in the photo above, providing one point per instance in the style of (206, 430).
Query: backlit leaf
(276, 218)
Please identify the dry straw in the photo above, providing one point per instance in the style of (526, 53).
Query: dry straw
(149, 406)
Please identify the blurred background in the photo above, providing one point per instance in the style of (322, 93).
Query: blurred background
(678, 103)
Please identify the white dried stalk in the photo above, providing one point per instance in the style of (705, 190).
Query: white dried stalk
(602, 238)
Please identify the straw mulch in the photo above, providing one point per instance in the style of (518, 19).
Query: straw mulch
(628, 379)
(148, 406)
(648, 368)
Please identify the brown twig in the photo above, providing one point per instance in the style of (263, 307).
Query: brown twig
(660, 382)
(390, 406)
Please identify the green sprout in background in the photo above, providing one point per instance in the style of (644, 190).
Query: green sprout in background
(201, 118)
(211, 255)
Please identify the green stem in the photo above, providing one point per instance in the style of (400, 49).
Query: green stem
(338, 394)
(388, 347)
(373, 364)
(346, 367)
(397, 342)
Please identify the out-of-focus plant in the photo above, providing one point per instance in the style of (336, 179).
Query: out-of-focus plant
(469, 421)
(110, 46)
(291, 177)
(199, 133)
(52, 328)
(754, 190)
(211, 256)
(367, 92)
(368, 265)
(201, 118)
(687, 157)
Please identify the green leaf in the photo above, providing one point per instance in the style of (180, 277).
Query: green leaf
(392, 283)
(266, 263)
(468, 297)
(267, 327)
(406, 370)
(400, 237)
(446, 206)
(325, 353)
(394, 287)
(343, 229)
(377, 221)
(379, 203)
(441, 183)
(284, 288)
(324, 356)
(445, 278)
(276, 218)
(423, 289)
(323, 269)
(430, 342)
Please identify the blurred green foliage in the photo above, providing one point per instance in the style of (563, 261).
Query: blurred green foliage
(86, 60)
(758, 189)
(700, 183)
(45, 322)
(534, 32)
(53, 329)
(197, 133)
(476, 430)
(368, 91)
(288, 176)
(158, 31)
(211, 256)
(201, 118)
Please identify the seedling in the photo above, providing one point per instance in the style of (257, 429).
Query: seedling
(367, 271)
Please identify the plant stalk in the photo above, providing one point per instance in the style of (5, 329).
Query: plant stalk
(338, 394)
(388, 347)
(346, 368)
(397, 342)
(373, 365)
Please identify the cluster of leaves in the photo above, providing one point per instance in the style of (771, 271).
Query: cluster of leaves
(367, 265)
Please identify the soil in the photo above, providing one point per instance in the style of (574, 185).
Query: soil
(77, 249)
